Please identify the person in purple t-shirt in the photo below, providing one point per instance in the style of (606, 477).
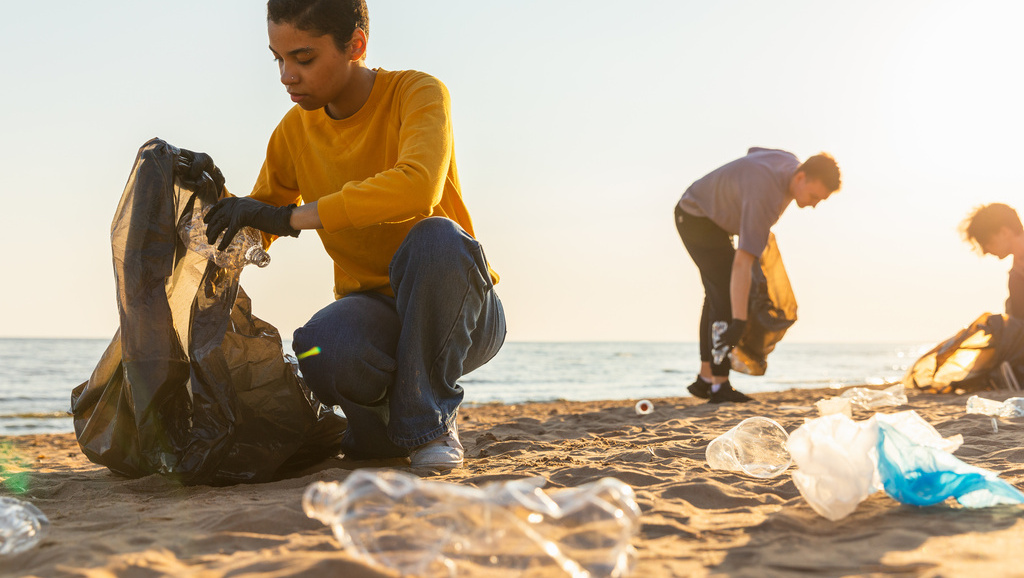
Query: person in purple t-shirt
(745, 198)
(996, 229)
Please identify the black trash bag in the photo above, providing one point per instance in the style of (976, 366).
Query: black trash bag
(771, 311)
(192, 386)
(987, 354)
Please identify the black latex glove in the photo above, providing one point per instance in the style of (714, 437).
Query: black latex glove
(232, 213)
(198, 170)
(732, 334)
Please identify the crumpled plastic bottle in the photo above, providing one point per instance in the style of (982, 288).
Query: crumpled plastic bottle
(432, 528)
(1012, 407)
(719, 349)
(869, 399)
(864, 398)
(246, 248)
(22, 525)
(756, 446)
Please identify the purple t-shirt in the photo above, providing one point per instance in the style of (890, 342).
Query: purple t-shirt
(745, 197)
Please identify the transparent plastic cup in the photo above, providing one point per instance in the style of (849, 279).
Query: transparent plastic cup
(756, 446)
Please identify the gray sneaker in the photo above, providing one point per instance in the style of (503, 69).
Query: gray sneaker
(444, 453)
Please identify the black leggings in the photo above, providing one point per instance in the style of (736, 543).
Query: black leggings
(712, 251)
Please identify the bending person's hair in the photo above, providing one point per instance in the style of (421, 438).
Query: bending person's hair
(822, 168)
(987, 220)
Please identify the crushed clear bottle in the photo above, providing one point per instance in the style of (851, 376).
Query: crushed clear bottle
(756, 446)
(719, 349)
(1012, 407)
(22, 525)
(431, 528)
(245, 249)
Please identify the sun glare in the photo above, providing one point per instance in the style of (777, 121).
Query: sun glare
(952, 90)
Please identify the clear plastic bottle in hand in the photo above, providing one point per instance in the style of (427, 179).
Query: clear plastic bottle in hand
(719, 349)
(22, 525)
(246, 248)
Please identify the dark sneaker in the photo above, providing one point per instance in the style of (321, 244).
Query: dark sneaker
(699, 388)
(727, 393)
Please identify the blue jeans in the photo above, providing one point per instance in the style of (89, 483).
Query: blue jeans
(392, 363)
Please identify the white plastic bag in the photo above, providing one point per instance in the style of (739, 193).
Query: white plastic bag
(836, 460)
(838, 457)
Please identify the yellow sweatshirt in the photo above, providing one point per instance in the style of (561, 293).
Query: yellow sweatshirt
(374, 174)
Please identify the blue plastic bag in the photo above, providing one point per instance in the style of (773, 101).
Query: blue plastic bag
(922, 476)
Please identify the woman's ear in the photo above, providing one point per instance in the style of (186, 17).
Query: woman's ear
(357, 45)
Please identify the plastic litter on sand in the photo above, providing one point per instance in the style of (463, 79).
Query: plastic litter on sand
(1013, 407)
(842, 462)
(22, 525)
(756, 446)
(644, 407)
(425, 527)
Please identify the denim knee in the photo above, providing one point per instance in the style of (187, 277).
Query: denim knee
(439, 230)
(438, 241)
(435, 248)
(349, 369)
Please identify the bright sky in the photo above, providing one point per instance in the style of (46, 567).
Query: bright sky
(578, 125)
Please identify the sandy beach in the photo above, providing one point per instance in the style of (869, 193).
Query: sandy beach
(696, 521)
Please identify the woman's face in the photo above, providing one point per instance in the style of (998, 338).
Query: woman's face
(313, 70)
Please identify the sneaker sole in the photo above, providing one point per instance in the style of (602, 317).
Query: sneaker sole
(438, 466)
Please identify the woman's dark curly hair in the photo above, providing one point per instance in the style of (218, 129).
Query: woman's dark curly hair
(339, 18)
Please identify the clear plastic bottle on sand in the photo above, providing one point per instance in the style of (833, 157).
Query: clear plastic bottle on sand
(246, 248)
(644, 407)
(756, 446)
(872, 399)
(22, 525)
(432, 528)
(1013, 407)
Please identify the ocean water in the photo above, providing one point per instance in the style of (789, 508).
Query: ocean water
(37, 375)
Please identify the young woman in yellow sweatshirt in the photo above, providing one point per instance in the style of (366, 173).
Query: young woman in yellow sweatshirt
(366, 158)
